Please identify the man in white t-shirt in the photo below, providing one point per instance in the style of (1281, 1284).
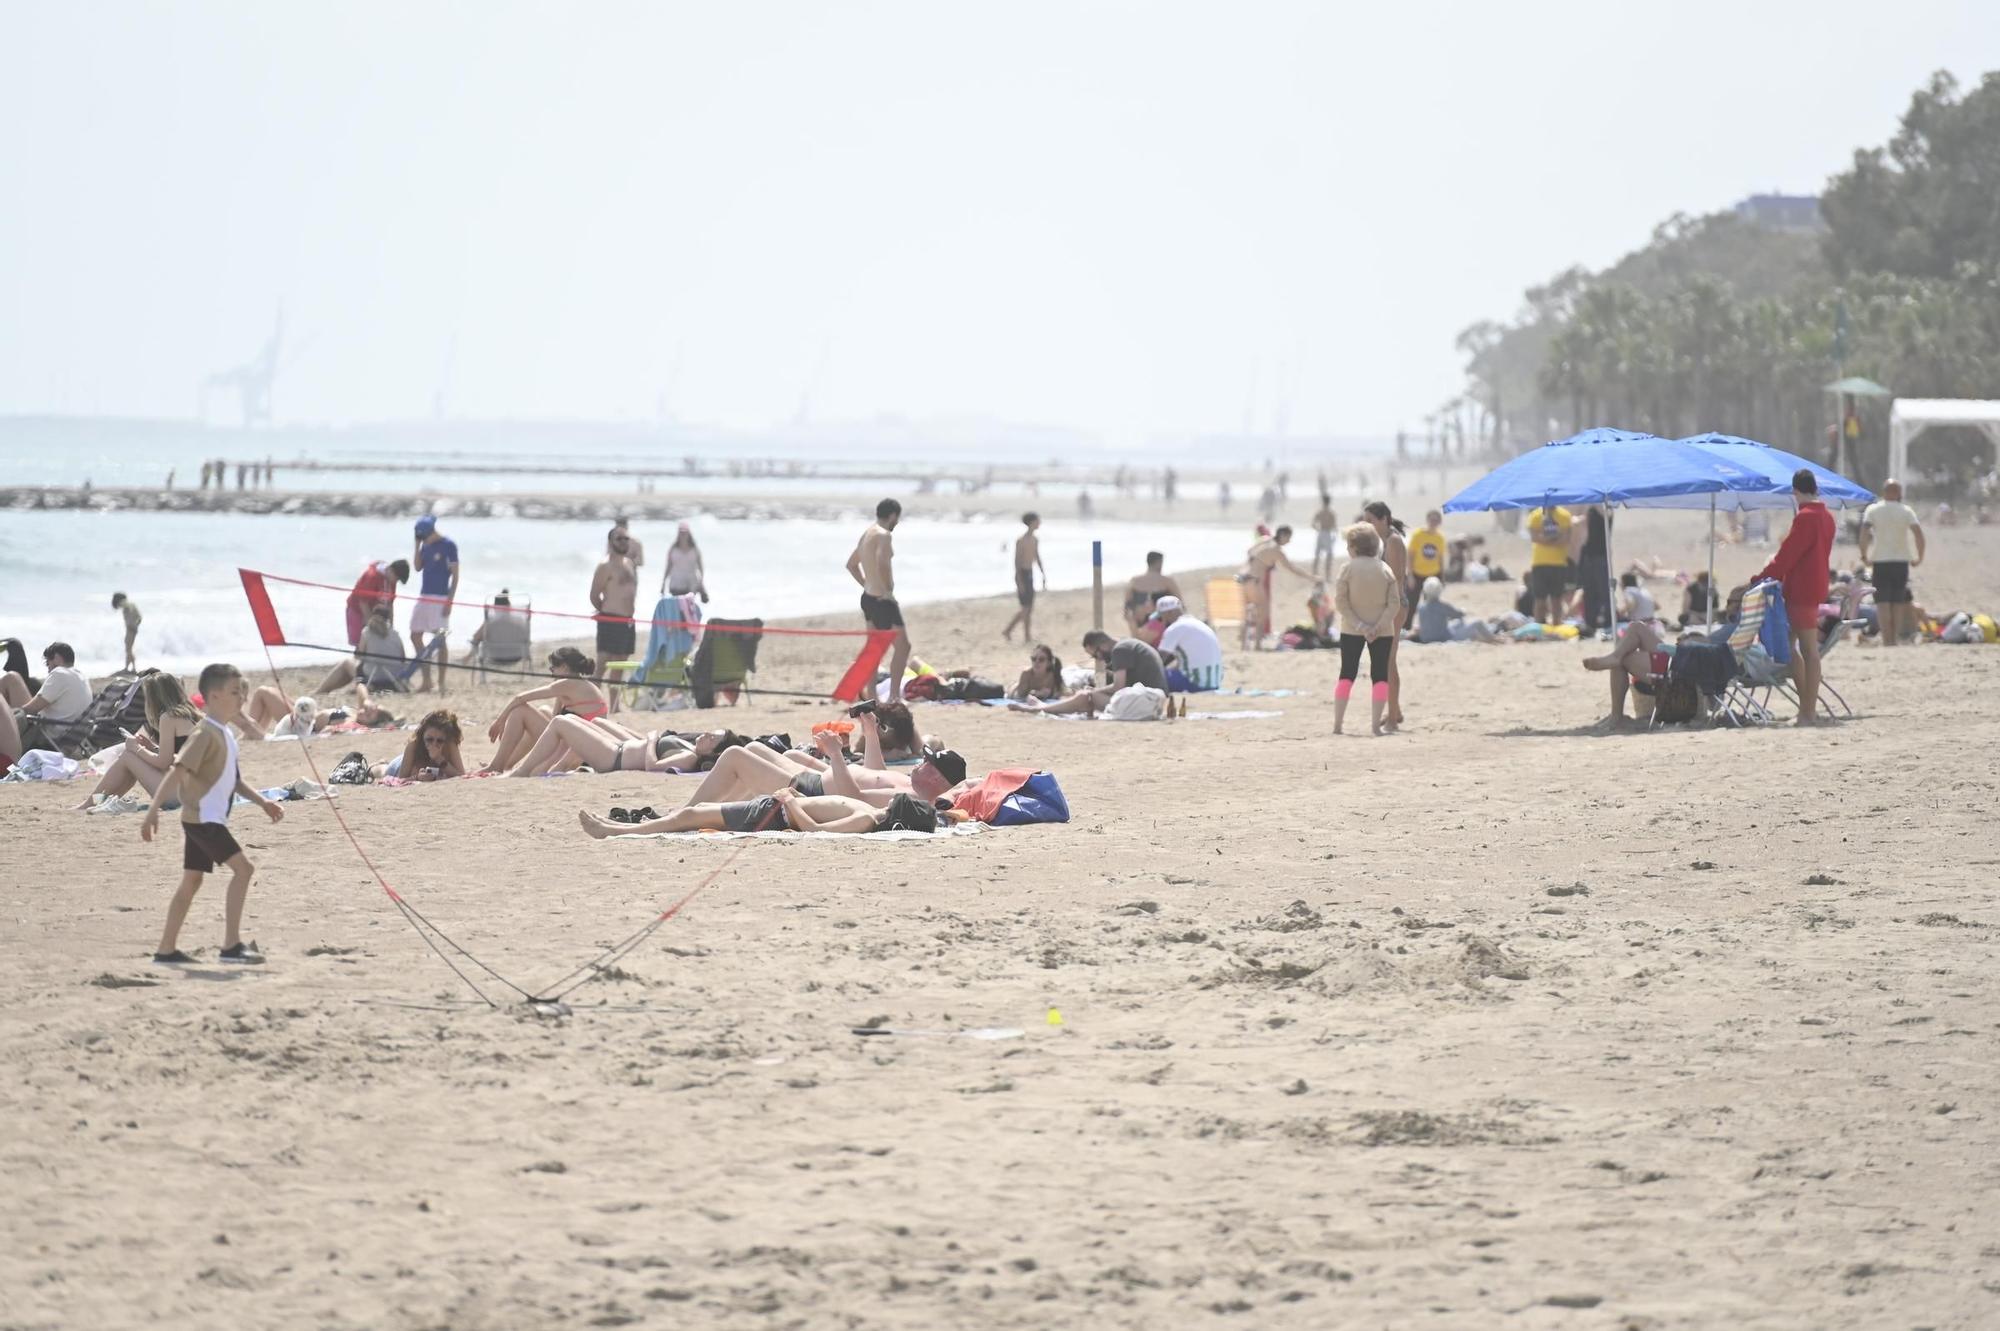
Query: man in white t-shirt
(64, 696)
(1190, 647)
(1892, 541)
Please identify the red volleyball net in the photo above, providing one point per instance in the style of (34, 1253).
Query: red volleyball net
(680, 649)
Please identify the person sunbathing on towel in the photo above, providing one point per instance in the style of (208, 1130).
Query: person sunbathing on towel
(269, 716)
(569, 742)
(787, 810)
(755, 770)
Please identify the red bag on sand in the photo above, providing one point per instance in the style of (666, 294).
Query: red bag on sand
(984, 799)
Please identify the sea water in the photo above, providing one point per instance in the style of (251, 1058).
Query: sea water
(60, 569)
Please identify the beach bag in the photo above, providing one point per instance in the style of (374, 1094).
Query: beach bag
(1988, 630)
(966, 688)
(1037, 800)
(1775, 634)
(1677, 701)
(1135, 702)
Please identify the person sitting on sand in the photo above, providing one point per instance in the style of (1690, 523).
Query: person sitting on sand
(787, 810)
(148, 755)
(378, 657)
(1128, 660)
(1192, 648)
(432, 753)
(1146, 588)
(1440, 621)
(1042, 681)
(520, 723)
(268, 716)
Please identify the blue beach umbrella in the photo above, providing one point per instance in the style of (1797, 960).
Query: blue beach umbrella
(1604, 466)
(1776, 467)
(1609, 467)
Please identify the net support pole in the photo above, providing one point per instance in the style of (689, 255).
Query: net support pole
(1097, 595)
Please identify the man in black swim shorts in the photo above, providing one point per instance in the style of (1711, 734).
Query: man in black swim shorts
(871, 565)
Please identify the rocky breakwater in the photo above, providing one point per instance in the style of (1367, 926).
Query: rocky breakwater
(327, 504)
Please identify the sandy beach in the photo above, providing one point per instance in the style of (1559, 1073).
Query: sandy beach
(1499, 1021)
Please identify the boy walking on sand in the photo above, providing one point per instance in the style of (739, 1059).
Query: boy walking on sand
(120, 601)
(206, 779)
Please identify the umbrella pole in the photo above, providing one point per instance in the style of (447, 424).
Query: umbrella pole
(1610, 573)
(1711, 561)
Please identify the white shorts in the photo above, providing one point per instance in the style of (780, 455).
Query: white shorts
(427, 617)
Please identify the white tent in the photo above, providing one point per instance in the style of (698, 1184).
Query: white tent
(1911, 416)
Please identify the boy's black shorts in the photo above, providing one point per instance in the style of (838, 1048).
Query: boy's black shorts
(207, 845)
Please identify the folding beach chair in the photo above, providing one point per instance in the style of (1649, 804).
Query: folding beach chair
(506, 635)
(1772, 678)
(1739, 704)
(724, 661)
(116, 705)
(1225, 602)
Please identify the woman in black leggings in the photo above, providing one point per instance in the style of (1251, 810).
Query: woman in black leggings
(1369, 598)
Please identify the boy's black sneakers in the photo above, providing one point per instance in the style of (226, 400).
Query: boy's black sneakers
(243, 954)
(173, 958)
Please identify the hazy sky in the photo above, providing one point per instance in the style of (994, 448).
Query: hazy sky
(1112, 216)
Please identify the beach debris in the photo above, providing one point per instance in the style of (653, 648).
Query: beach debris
(1573, 1300)
(1139, 908)
(1821, 880)
(1573, 890)
(109, 981)
(1055, 1017)
(1298, 1087)
(546, 1167)
(1702, 864)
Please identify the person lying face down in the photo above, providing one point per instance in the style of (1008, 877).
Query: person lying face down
(786, 810)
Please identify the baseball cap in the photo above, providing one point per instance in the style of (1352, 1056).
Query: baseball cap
(948, 763)
(426, 525)
(1166, 603)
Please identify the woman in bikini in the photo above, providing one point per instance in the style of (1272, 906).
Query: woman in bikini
(787, 810)
(521, 723)
(170, 719)
(570, 742)
(1042, 681)
(432, 753)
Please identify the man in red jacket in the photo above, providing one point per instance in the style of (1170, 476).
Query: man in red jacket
(1801, 567)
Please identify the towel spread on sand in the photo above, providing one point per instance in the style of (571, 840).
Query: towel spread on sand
(956, 829)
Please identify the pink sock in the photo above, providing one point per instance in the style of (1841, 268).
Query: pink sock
(1381, 691)
(1344, 690)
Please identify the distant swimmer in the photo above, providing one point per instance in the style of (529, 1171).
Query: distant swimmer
(1027, 560)
(871, 566)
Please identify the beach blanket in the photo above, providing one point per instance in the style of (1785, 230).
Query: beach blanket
(950, 830)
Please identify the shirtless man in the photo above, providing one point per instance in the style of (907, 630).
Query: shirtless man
(1147, 588)
(1027, 560)
(870, 565)
(1265, 556)
(614, 590)
(1325, 524)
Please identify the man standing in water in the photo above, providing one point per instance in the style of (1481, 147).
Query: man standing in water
(614, 590)
(870, 565)
(1027, 559)
(437, 560)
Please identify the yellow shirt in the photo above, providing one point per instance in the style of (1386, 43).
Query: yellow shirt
(1558, 552)
(1427, 549)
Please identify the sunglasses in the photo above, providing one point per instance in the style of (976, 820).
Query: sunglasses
(435, 739)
